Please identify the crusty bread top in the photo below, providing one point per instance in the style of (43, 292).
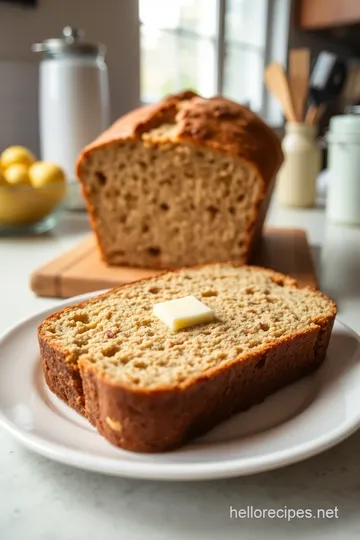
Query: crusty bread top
(216, 123)
(117, 334)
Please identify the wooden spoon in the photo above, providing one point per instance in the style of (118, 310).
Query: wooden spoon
(314, 114)
(299, 75)
(277, 82)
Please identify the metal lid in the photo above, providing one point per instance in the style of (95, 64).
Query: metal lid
(71, 43)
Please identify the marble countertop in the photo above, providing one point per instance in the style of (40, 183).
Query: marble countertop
(43, 500)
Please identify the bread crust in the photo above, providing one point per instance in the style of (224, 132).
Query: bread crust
(61, 375)
(215, 123)
(159, 420)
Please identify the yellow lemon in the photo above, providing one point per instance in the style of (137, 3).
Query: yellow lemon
(16, 154)
(49, 181)
(44, 173)
(17, 175)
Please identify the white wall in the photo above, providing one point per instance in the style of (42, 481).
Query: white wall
(112, 22)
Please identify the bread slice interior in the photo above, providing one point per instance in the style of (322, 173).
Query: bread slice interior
(160, 203)
(118, 336)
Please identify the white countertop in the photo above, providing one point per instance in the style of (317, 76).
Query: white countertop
(43, 500)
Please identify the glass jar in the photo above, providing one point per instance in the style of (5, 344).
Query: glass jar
(296, 181)
(343, 201)
(73, 100)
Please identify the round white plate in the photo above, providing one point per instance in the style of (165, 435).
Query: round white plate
(296, 423)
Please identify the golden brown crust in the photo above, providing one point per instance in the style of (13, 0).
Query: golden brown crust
(159, 420)
(61, 376)
(164, 420)
(229, 127)
(136, 122)
(216, 123)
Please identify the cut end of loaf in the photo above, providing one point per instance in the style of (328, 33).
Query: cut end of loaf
(118, 336)
(162, 205)
(180, 183)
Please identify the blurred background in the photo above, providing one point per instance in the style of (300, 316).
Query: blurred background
(99, 60)
(154, 47)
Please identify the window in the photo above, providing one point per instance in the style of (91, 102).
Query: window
(212, 46)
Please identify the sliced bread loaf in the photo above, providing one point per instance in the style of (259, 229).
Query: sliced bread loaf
(149, 389)
(186, 181)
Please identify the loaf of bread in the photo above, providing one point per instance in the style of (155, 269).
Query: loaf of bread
(184, 182)
(149, 389)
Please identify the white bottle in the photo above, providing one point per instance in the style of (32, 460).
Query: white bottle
(296, 181)
(343, 202)
(74, 101)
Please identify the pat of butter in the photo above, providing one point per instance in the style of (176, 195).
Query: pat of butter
(183, 312)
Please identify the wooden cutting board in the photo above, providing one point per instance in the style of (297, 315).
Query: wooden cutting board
(81, 270)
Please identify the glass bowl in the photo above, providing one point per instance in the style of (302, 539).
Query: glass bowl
(28, 210)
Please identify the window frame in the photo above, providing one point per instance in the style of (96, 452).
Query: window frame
(275, 48)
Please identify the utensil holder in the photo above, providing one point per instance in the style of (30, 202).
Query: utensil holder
(296, 181)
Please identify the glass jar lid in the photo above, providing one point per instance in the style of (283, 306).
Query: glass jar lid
(344, 129)
(345, 124)
(71, 43)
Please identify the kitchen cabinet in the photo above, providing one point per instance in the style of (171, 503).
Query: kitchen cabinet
(322, 14)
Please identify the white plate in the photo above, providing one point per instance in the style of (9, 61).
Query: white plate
(296, 423)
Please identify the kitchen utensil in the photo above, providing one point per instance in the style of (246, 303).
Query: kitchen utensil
(74, 99)
(327, 78)
(299, 73)
(314, 113)
(277, 82)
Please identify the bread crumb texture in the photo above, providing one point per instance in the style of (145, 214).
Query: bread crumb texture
(171, 204)
(119, 336)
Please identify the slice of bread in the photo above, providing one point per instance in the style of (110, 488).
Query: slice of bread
(183, 182)
(149, 389)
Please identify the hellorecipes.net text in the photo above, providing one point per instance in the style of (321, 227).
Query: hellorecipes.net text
(286, 513)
